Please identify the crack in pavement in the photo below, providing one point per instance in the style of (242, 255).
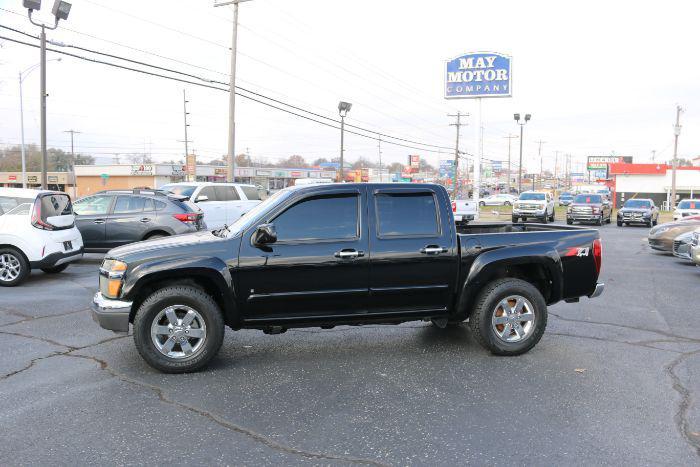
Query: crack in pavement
(625, 326)
(681, 417)
(605, 339)
(161, 393)
(28, 318)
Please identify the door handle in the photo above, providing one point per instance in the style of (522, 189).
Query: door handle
(98, 221)
(145, 219)
(433, 250)
(349, 254)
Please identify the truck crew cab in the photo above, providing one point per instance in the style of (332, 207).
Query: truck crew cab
(343, 254)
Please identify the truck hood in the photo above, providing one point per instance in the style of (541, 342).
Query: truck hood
(590, 205)
(174, 242)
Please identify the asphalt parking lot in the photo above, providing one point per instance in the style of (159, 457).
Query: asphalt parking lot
(615, 380)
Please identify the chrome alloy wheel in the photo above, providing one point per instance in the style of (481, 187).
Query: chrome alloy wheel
(513, 319)
(179, 332)
(10, 267)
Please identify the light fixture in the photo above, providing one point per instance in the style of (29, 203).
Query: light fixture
(516, 117)
(32, 4)
(344, 108)
(60, 9)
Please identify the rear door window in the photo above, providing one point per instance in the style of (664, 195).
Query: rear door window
(407, 214)
(129, 204)
(251, 193)
(8, 203)
(209, 192)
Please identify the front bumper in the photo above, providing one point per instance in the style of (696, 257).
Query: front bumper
(463, 217)
(583, 217)
(111, 314)
(520, 213)
(599, 288)
(661, 245)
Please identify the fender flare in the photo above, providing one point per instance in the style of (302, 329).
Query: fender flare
(485, 264)
(212, 268)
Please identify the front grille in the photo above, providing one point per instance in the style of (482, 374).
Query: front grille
(582, 209)
(676, 245)
(532, 207)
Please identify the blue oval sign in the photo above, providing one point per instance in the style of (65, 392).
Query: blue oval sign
(479, 74)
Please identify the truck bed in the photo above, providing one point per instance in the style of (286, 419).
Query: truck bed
(507, 227)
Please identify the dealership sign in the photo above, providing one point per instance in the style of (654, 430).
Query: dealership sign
(602, 162)
(479, 74)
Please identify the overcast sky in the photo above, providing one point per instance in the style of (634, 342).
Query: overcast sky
(601, 77)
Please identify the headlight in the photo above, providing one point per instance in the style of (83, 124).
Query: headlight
(111, 277)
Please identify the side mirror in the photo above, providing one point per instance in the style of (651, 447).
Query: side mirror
(264, 235)
(201, 198)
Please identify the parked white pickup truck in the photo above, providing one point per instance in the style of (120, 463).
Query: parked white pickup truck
(222, 203)
(464, 210)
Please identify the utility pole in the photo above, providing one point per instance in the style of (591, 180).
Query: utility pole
(72, 154)
(379, 149)
(185, 113)
(568, 171)
(653, 155)
(509, 137)
(539, 154)
(191, 176)
(676, 133)
(231, 176)
(457, 125)
(556, 161)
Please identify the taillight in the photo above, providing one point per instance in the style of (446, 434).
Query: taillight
(188, 217)
(454, 206)
(36, 217)
(597, 254)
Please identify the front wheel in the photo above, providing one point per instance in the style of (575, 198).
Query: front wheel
(619, 223)
(178, 329)
(551, 218)
(515, 219)
(509, 317)
(482, 204)
(507, 203)
(569, 222)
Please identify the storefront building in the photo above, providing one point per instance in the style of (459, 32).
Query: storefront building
(59, 181)
(652, 181)
(93, 178)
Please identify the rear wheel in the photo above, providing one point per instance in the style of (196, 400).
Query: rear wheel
(507, 203)
(551, 218)
(482, 204)
(509, 317)
(14, 267)
(178, 329)
(515, 219)
(55, 269)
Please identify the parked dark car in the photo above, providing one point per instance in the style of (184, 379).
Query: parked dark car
(638, 211)
(344, 254)
(589, 208)
(109, 219)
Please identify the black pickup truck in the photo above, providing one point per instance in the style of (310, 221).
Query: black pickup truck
(344, 254)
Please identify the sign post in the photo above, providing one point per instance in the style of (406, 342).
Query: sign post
(474, 76)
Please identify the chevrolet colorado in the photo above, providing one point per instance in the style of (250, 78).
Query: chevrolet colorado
(343, 254)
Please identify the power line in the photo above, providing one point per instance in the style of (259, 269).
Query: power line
(212, 86)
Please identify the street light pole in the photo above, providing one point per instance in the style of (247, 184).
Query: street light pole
(343, 109)
(674, 163)
(520, 164)
(231, 176)
(510, 137)
(60, 11)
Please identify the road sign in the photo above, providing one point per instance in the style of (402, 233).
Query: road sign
(478, 74)
(104, 176)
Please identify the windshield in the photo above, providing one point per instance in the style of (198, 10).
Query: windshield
(7, 203)
(531, 197)
(588, 199)
(181, 190)
(637, 203)
(689, 204)
(566, 197)
(247, 219)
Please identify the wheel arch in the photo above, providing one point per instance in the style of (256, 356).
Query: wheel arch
(215, 281)
(541, 269)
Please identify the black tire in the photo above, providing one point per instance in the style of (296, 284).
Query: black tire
(609, 219)
(482, 204)
(619, 223)
(551, 218)
(17, 258)
(506, 203)
(543, 219)
(569, 222)
(480, 321)
(515, 219)
(153, 236)
(656, 221)
(600, 221)
(189, 296)
(55, 269)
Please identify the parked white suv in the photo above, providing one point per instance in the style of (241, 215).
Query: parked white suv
(222, 203)
(534, 204)
(687, 207)
(37, 231)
